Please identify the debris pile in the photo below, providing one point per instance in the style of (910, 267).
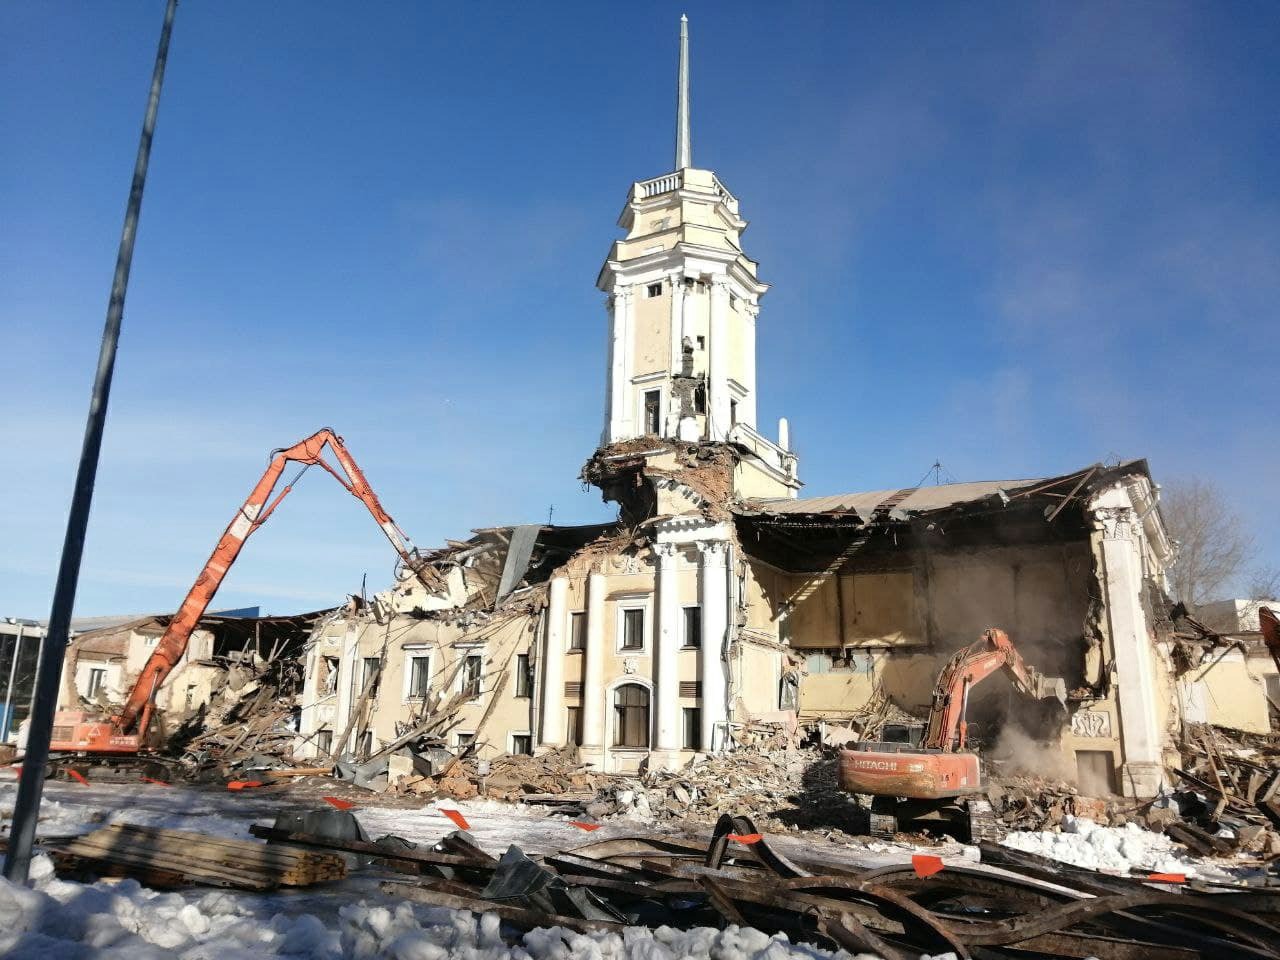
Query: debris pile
(556, 778)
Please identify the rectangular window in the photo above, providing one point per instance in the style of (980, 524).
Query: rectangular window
(324, 740)
(702, 342)
(96, 679)
(573, 726)
(653, 290)
(524, 676)
(631, 716)
(692, 627)
(700, 398)
(329, 681)
(733, 412)
(366, 743)
(419, 677)
(632, 629)
(369, 675)
(522, 744)
(464, 740)
(692, 728)
(652, 399)
(577, 631)
(471, 675)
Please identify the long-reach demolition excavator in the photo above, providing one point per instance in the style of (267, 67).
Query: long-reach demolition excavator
(82, 736)
(938, 784)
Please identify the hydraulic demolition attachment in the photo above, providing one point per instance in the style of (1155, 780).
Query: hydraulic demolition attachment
(126, 733)
(925, 783)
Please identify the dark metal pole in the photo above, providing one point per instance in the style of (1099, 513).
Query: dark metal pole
(27, 807)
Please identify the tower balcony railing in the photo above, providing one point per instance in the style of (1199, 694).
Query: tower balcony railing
(668, 182)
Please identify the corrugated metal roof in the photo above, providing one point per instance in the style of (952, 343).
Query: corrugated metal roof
(908, 500)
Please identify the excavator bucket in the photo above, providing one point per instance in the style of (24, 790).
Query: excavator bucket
(1050, 687)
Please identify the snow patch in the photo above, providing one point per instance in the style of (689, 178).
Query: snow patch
(1119, 850)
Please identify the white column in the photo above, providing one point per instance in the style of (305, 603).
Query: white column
(1133, 647)
(718, 360)
(348, 675)
(611, 377)
(619, 376)
(553, 664)
(677, 321)
(713, 584)
(593, 705)
(668, 652)
(747, 408)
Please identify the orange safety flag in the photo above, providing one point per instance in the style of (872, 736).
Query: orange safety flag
(457, 818)
(1168, 877)
(585, 826)
(747, 838)
(78, 775)
(339, 803)
(243, 784)
(925, 865)
(158, 783)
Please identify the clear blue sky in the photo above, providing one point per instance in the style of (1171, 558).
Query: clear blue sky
(1018, 238)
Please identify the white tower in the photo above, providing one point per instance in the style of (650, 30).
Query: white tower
(683, 300)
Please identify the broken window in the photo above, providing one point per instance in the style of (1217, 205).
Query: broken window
(96, 678)
(573, 726)
(700, 397)
(369, 675)
(693, 627)
(329, 679)
(463, 741)
(633, 629)
(522, 744)
(577, 631)
(524, 676)
(324, 740)
(631, 716)
(702, 343)
(1096, 772)
(692, 728)
(366, 743)
(419, 677)
(652, 399)
(653, 290)
(471, 668)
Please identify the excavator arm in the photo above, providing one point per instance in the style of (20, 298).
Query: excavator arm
(252, 514)
(970, 666)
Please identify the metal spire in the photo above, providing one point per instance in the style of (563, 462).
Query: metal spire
(684, 153)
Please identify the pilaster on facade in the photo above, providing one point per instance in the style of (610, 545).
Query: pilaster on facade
(713, 589)
(621, 422)
(1120, 546)
(553, 706)
(719, 400)
(667, 652)
(593, 687)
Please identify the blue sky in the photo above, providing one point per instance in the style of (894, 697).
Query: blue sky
(1017, 238)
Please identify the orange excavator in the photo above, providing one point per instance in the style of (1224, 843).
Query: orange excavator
(937, 783)
(81, 734)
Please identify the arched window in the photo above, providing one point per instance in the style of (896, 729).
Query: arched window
(631, 716)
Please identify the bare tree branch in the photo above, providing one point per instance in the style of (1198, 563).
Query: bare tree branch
(1213, 542)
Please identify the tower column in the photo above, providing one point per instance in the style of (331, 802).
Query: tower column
(677, 320)
(593, 742)
(718, 362)
(668, 652)
(713, 589)
(553, 664)
(749, 313)
(620, 414)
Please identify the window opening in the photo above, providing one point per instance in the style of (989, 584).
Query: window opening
(631, 716)
(693, 627)
(471, 675)
(633, 629)
(524, 676)
(652, 400)
(577, 631)
(692, 728)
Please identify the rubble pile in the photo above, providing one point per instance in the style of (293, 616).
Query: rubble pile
(556, 778)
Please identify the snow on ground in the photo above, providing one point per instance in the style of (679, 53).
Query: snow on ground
(1111, 849)
(122, 920)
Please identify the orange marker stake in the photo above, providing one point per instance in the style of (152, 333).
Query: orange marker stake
(584, 826)
(747, 838)
(79, 776)
(457, 818)
(243, 784)
(925, 865)
(1168, 877)
(158, 783)
(339, 803)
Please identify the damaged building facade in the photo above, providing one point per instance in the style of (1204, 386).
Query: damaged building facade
(719, 596)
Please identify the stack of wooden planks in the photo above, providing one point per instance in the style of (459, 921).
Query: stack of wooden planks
(174, 858)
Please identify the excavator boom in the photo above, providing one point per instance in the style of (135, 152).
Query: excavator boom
(125, 732)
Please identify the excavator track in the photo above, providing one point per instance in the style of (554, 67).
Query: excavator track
(113, 768)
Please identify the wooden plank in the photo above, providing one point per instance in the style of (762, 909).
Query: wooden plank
(430, 857)
(200, 844)
(193, 871)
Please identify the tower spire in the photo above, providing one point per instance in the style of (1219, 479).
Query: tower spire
(684, 153)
